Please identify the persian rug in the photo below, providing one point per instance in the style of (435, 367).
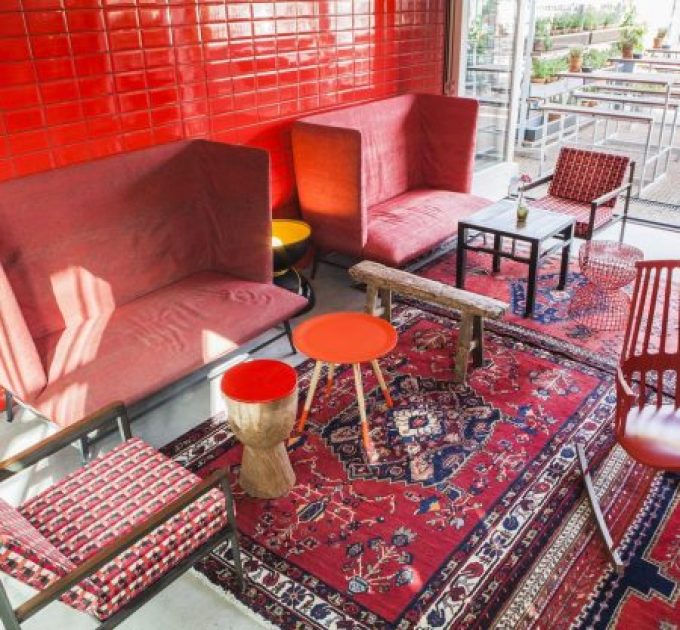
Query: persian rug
(474, 516)
(551, 321)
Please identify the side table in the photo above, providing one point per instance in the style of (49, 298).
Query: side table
(261, 399)
(609, 266)
(290, 243)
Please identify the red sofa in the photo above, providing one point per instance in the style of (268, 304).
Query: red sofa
(387, 180)
(119, 277)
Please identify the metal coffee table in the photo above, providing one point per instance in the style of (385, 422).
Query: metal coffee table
(545, 232)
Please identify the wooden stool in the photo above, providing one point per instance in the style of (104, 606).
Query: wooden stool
(349, 337)
(261, 399)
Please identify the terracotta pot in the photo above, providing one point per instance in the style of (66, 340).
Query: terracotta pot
(575, 64)
(627, 51)
(658, 42)
(537, 80)
(552, 116)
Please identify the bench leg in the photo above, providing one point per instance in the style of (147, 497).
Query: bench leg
(310, 397)
(478, 338)
(371, 297)
(386, 302)
(465, 336)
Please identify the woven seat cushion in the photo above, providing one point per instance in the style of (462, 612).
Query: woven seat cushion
(578, 209)
(101, 502)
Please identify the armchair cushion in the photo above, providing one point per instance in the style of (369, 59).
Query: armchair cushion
(89, 509)
(584, 176)
(411, 224)
(578, 209)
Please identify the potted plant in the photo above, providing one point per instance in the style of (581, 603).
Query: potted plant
(660, 36)
(542, 39)
(575, 59)
(627, 44)
(539, 70)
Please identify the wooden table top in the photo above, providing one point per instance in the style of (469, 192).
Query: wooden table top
(501, 218)
(653, 78)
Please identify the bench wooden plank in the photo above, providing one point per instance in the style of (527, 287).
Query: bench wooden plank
(620, 98)
(410, 285)
(596, 112)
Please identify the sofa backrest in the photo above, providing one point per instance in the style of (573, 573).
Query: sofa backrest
(77, 242)
(390, 144)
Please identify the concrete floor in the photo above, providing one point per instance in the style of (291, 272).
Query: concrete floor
(190, 602)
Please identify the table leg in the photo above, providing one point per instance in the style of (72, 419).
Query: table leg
(531, 285)
(329, 381)
(566, 251)
(381, 382)
(497, 245)
(460, 258)
(310, 397)
(365, 435)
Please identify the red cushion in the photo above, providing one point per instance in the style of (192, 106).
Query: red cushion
(103, 501)
(578, 209)
(154, 341)
(411, 224)
(584, 176)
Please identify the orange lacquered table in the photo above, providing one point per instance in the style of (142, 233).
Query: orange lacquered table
(345, 338)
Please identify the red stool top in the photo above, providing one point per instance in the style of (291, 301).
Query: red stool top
(347, 337)
(259, 381)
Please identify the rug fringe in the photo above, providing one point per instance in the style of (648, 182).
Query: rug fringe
(234, 601)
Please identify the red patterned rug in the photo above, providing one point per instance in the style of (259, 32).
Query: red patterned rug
(551, 320)
(474, 515)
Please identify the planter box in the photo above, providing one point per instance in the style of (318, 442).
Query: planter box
(534, 129)
(546, 90)
(571, 39)
(605, 35)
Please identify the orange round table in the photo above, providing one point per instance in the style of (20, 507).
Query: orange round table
(345, 337)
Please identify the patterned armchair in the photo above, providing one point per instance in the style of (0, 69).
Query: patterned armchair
(108, 537)
(587, 185)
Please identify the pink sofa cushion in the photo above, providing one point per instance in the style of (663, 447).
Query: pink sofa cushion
(409, 225)
(79, 241)
(154, 341)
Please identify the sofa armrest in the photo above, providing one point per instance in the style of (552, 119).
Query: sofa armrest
(64, 437)
(449, 128)
(236, 183)
(328, 171)
(21, 370)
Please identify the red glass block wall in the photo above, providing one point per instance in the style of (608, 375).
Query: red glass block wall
(80, 79)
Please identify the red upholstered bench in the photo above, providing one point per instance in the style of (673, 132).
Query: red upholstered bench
(122, 276)
(388, 180)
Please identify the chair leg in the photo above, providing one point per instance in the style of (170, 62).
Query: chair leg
(310, 397)
(7, 616)
(124, 426)
(329, 381)
(597, 510)
(9, 406)
(289, 334)
(85, 449)
(233, 537)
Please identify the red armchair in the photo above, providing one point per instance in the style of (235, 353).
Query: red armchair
(647, 421)
(587, 185)
(387, 180)
(108, 537)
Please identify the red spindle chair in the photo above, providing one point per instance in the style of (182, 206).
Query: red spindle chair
(647, 421)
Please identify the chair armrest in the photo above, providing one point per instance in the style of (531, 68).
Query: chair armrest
(537, 182)
(624, 388)
(64, 437)
(108, 553)
(610, 195)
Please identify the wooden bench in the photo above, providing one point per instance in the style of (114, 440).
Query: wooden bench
(382, 281)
